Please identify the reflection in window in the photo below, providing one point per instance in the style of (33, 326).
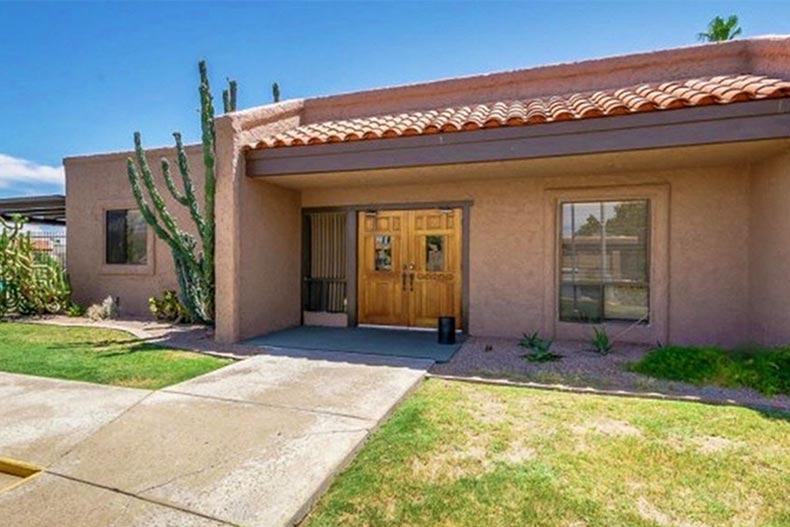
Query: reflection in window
(126, 237)
(434, 253)
(604, 261)
(383, 248)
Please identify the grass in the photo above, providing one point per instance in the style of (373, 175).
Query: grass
(459, 454)
(96, 355)
(766, 370)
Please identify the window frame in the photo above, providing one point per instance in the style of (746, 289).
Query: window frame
(656, 329)
(100, 215)
(107, 249)
(603, 283)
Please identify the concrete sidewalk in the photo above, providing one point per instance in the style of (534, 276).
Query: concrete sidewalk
(254, 443)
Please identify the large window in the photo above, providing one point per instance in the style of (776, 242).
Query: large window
(604, 261)
(126, 241)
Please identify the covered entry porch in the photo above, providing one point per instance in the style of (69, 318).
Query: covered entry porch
(701, 199)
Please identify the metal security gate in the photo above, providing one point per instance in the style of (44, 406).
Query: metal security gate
(325, 262)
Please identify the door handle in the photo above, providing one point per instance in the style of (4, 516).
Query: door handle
(412, 281)
(403, 287)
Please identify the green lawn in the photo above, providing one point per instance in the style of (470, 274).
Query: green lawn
(767, 370)
(458, 454)
(96, 355)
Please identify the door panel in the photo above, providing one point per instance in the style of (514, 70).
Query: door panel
(381, 254)
(410, 267)
(435, 252)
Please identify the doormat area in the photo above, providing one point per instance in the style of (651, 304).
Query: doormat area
(375, 341)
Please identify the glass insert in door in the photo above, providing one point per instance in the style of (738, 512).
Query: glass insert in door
(383, 251)
(435, 248)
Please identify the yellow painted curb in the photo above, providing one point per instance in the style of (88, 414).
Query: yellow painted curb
(20, 469)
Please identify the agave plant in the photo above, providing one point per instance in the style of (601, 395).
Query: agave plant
(540, 348)
(601, 342)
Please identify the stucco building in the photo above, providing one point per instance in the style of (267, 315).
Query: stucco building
(646, 192)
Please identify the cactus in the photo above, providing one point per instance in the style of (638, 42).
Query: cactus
(30, 283)
(276, 92)
(229, 97)
(194, 263)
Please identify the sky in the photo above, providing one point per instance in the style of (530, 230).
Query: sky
(81, 77)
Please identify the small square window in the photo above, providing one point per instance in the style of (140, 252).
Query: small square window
(126, 240)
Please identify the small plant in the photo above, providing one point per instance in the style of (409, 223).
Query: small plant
(601, 342)
(530, 341)
(107, 310)
(75, 310)
(540, 349)
(169, 308)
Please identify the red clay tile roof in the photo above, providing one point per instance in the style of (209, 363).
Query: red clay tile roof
(725, 89)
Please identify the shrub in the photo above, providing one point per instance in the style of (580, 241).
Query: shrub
(540, 349)
(75, 310)
(31, 283)
(107, 310)
(169, 308)
(601, 342)
(766, 370)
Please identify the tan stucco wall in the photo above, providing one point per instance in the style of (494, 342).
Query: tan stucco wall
(270, 264)
(729, 280)
(769, 248)
(97, 183)
(708, 231)
(258, 256)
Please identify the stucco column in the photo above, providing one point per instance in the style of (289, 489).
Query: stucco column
(230, 168)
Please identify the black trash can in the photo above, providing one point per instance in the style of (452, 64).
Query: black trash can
(446, 330)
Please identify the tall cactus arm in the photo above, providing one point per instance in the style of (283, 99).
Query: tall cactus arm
(142, 204)
(276, 92)
(229, 96)
(182, 199)
(207, 127)
(189, 189)
(168, 223)
(233, 87)
(180, 242)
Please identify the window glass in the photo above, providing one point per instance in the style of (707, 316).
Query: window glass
(434, 253)
(383, 250)
(126, 241)
(604, 261)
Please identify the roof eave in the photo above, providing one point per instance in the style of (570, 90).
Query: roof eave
(747, 121)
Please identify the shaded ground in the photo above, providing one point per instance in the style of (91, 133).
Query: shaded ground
(459, 454)
(582, 368)
(96, 355)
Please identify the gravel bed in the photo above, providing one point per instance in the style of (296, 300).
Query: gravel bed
(580, 367)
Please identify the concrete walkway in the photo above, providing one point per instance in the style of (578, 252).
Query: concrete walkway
(254, 443)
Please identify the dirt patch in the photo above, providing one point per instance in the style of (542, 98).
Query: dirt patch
(452, 464)
(651, 513)
(516, 453)
(486, 407)
(609, 427)
(713, 444)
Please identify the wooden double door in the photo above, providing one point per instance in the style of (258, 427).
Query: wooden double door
(409, 267)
